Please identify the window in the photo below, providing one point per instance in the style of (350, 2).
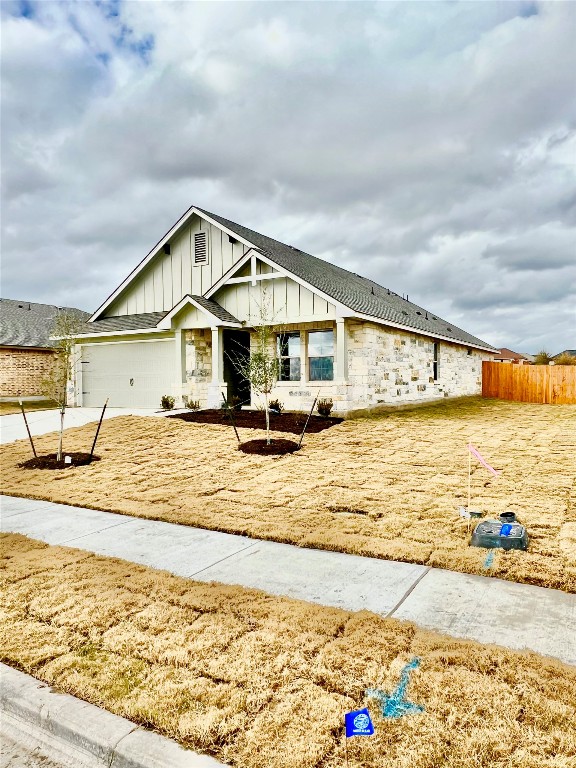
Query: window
(288, 350)
(200, 248)
(321, 355)
(436, 360)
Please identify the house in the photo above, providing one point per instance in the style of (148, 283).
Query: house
(26, 351)
(507, 356)
(567, 352)
(184, 315)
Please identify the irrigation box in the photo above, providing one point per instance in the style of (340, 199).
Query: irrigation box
(494, 534)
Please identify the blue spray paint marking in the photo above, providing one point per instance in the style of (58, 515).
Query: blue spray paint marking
(396, 705)
(489, 559)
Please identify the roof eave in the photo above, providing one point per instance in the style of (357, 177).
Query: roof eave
(430, 334)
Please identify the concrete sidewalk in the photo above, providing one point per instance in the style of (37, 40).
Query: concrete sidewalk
(12, 427)
(475, 607)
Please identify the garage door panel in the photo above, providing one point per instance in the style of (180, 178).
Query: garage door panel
(132, 375)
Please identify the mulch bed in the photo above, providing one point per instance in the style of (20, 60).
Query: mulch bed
(275, 448)
(284, 422)
(48, 461)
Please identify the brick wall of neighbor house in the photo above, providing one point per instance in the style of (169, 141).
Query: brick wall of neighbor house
(198, 364)
(22, 371)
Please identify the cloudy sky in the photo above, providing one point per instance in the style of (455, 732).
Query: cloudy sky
(428, 146)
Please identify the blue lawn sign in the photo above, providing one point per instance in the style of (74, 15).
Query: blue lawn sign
(358, 723)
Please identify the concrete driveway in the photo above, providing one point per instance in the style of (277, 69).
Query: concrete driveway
(12, 427)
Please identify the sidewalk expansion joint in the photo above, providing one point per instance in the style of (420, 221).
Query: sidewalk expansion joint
(408, 591)
(92, 533)
(206, 568)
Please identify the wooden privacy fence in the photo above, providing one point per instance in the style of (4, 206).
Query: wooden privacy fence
(554, 384)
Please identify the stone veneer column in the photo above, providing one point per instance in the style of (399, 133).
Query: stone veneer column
(216, 386)
(180, 365)
(341, 372)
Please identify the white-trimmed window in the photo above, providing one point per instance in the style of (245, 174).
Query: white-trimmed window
(321, 355)
(288, 347)
(200, 248)
(436, 360)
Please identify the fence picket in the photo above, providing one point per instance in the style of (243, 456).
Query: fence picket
(554, 384)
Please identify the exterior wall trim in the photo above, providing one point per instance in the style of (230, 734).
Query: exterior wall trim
(166, 322)
(341, 310)
(103, 334)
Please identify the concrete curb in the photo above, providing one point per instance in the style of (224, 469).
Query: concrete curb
(100, 737)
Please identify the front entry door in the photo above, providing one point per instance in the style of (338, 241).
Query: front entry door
(236, 352)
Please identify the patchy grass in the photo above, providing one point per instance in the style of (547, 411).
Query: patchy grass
(263, 682)
(7, 409)
(385, 487)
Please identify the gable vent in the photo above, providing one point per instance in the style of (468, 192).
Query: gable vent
(200, 248)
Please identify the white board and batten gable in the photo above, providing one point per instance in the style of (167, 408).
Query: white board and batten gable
(187, 261)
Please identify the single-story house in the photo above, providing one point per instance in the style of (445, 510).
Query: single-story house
(180, 322)
(26, 351)
(508, 356)
(567, 352)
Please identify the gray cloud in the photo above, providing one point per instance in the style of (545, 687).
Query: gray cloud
(428, 146)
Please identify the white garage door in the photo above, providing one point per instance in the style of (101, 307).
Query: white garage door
(132, 374)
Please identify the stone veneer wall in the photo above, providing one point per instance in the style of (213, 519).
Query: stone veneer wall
(22, 371)
(198, 364)
(387, 366)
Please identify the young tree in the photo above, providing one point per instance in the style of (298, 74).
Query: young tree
(65, 329)
(261, 368)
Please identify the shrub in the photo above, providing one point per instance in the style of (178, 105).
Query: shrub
(192, 405)
(167, 402)
(542, 358)
(324, 406)
(233, 402)
(565, 359)
(276, 406)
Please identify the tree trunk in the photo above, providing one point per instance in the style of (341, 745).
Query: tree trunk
(59, 454)
(267, 421)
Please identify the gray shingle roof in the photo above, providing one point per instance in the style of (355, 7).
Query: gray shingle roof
(353, 291)
(147, 320)
(27, 324)
(215, 309)
(142, 321)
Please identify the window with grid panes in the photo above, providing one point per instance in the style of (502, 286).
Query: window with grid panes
(288, 350)
(321, 355)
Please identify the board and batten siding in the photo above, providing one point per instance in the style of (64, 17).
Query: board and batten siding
(281, 300)
(169, 277)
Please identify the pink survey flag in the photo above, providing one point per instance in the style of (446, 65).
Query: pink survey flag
(475, 452)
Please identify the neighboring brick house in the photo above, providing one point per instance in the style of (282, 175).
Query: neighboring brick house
(26, 355)
(174, 326)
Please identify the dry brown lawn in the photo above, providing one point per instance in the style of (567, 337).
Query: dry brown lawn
(385, 487)
(264, 682)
